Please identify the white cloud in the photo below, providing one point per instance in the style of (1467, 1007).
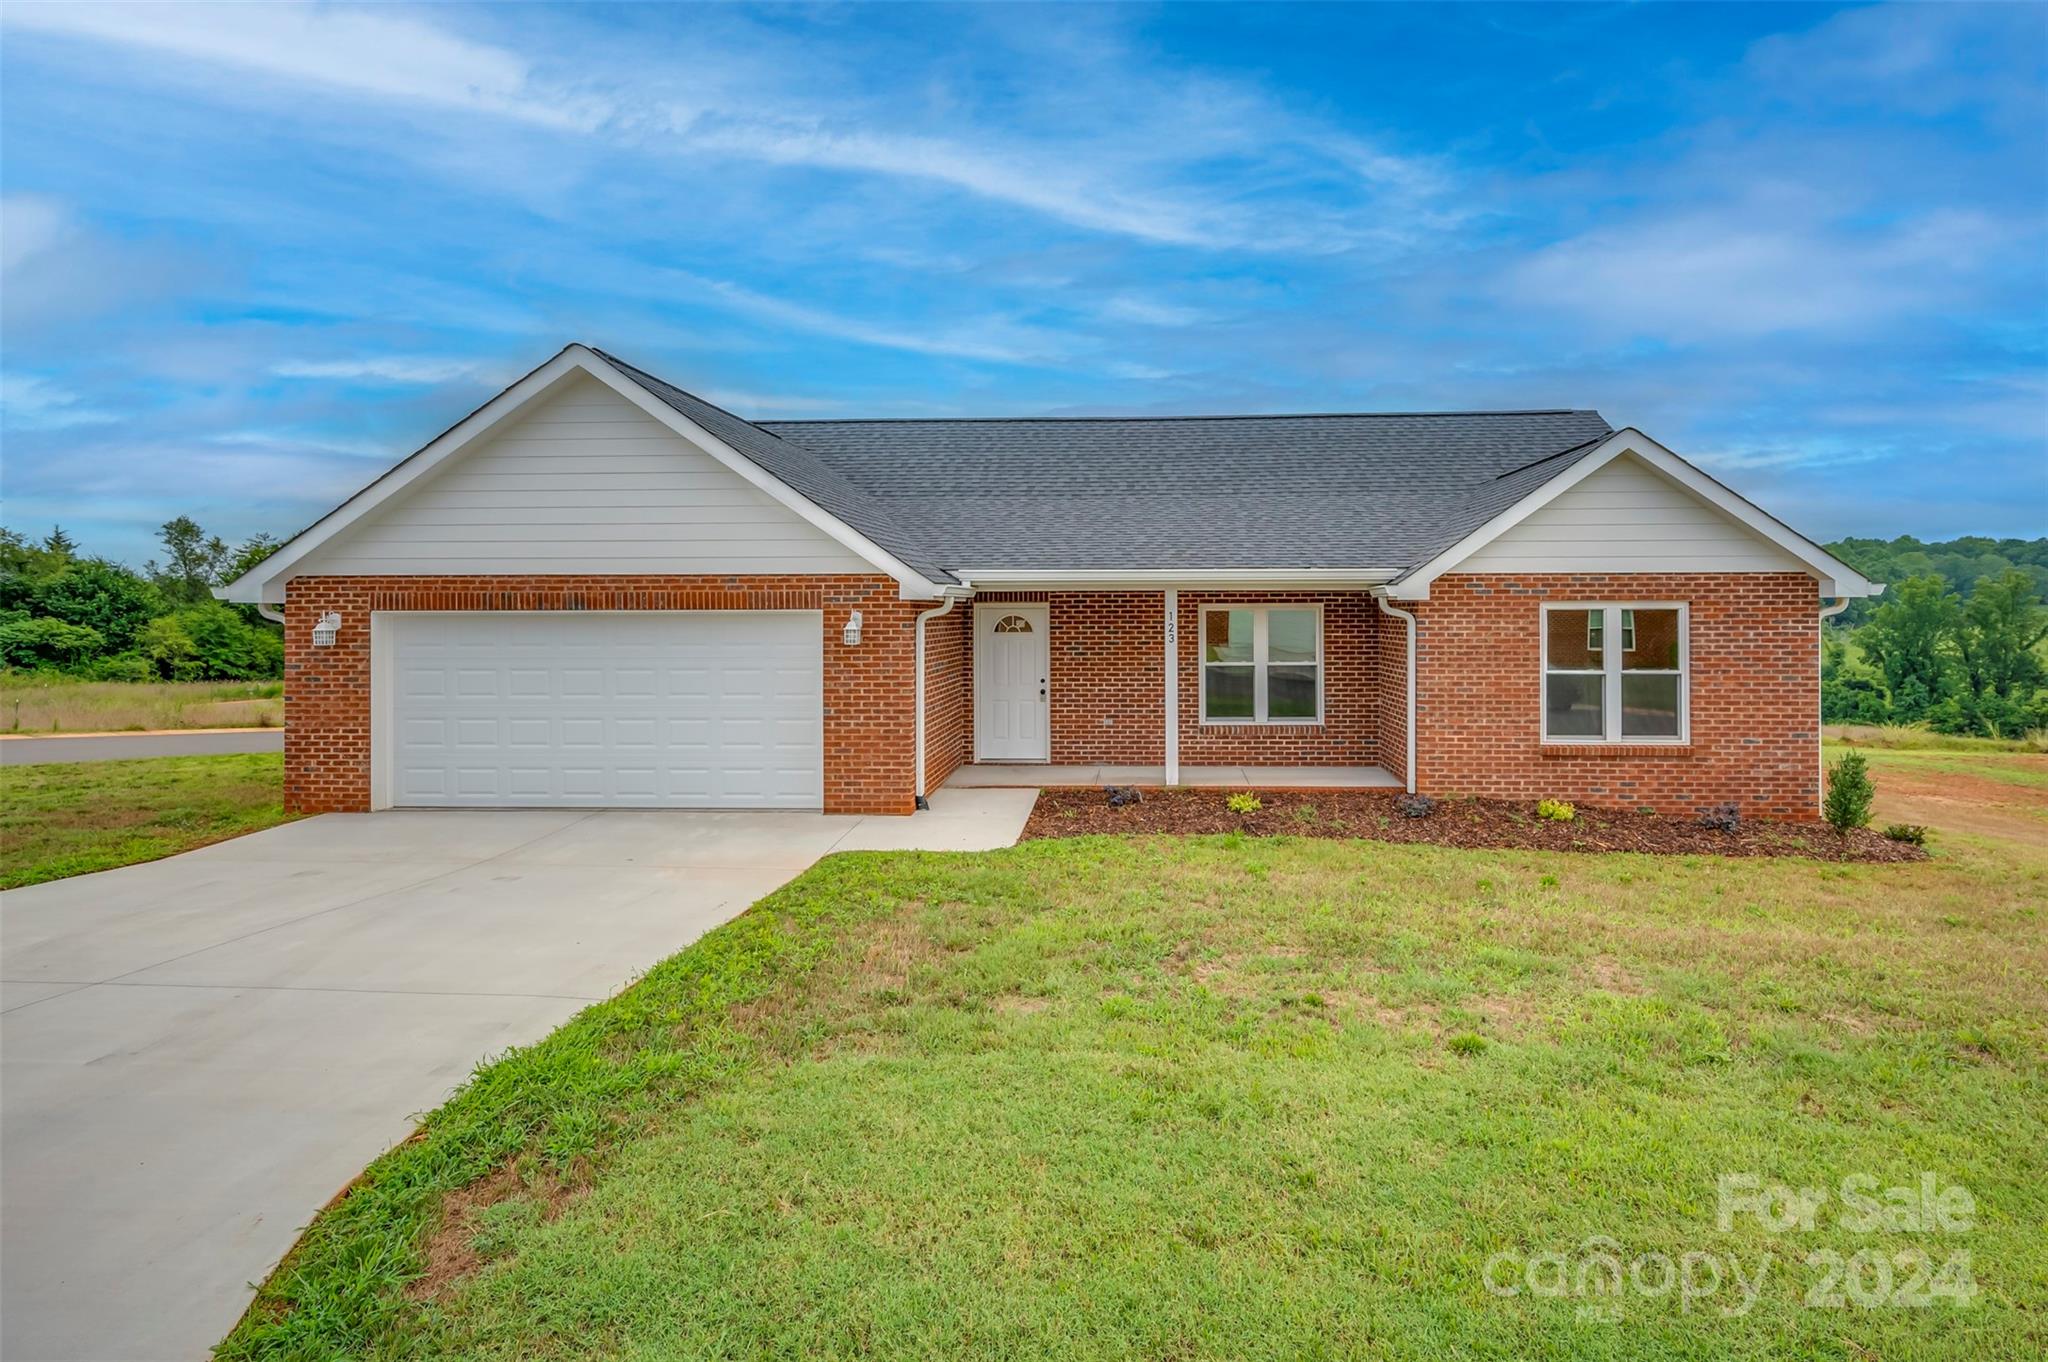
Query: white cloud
(31, 403)
(399, 369)
(30, 224)
(996, 340)
(1127, 307)
(376, 53)
(1141, 164)
(1750, 270)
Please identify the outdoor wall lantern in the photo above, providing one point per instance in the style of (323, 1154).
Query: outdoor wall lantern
(851, 633)
(325, 629)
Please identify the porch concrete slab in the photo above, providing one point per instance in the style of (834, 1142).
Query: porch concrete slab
(958, 820)
(1268, 777)
(15, 994)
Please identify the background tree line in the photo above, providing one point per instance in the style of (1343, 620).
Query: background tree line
(64, 612)
(1956, 641)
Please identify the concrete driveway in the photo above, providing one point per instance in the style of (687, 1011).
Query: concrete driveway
(196, 1054)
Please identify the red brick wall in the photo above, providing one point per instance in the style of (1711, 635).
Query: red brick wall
(1349, 732)
(1754, 695)
(1109, 692)
(946, 693)
(869, 742)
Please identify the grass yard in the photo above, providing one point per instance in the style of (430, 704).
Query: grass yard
(68, 818)
(35, 702)
(1227, 1097)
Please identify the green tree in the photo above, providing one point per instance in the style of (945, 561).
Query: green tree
(33, 643)
(99, 595)
(193, 561)
(1847, 803)
(1911, 639)
(59, 544)
(2001, 626)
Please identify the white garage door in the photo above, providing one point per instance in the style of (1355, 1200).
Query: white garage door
(642, 709)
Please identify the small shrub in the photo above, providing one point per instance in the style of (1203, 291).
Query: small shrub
(1907, 832)
(1243, 802)
(1468, 1043)
(1122, 796)
(1849, 793)
(1722, 818)
(1414, 805)
(1556, 810)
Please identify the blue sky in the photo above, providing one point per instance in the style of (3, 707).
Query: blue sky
(254, 254)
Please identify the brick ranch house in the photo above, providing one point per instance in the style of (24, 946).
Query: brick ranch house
(600, 590)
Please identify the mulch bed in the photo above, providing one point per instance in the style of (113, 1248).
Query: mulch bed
(1081, 812)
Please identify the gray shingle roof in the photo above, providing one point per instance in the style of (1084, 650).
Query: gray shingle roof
(1364, 491)
(1337, 491)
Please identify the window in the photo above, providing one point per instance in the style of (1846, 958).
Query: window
(1634, 693)
(1262, 664)
(1012, 624)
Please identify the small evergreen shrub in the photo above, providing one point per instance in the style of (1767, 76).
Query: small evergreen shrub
(1243, 802)
(1907, 832)
(1847, 804)
(1556, 810)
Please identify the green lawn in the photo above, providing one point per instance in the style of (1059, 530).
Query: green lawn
(67, 818)
(1230, 1098)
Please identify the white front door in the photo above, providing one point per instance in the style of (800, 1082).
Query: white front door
(1011, 675)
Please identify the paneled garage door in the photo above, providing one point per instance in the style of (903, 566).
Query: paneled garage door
(641, 709)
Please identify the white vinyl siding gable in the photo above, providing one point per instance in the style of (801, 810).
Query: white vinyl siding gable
(1628, 517)
(583, 481)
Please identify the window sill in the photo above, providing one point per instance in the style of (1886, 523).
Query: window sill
(1260, 723)
(1614, 749)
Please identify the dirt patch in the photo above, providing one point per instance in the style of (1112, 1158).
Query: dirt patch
(1475, 823)
(1960, 802)
(449, 1253)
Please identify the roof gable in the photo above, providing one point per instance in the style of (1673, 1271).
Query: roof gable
(1753, 540)
(265, 582)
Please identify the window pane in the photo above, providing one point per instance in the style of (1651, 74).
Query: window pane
(1227, 691)
(1571, 705)
(1290, 635)
(1574, 642)
(1291, 692)
(1649, 704)
(1656, 642)
(1229, 636)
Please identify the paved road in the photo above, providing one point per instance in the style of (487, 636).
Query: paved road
(197, 1053)
(125, 746)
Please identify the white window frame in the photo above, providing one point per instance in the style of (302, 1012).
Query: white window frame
(1259, 663)
(1612, 626)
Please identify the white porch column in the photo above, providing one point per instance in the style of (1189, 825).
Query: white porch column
(1172, 641)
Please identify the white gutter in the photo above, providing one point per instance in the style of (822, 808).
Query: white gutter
(918, 689)
(1109, 579)
(1397, 613)
(1827, 612)
(274, 616)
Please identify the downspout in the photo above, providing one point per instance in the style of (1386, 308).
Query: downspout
(1827, 612)
(920, 801)
(1400, 614)
(274, 616)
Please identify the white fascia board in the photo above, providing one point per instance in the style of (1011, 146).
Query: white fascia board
(1113, 579)
(264, 584)
(1836, 578)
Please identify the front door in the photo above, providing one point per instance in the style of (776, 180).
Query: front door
(1011, 710)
